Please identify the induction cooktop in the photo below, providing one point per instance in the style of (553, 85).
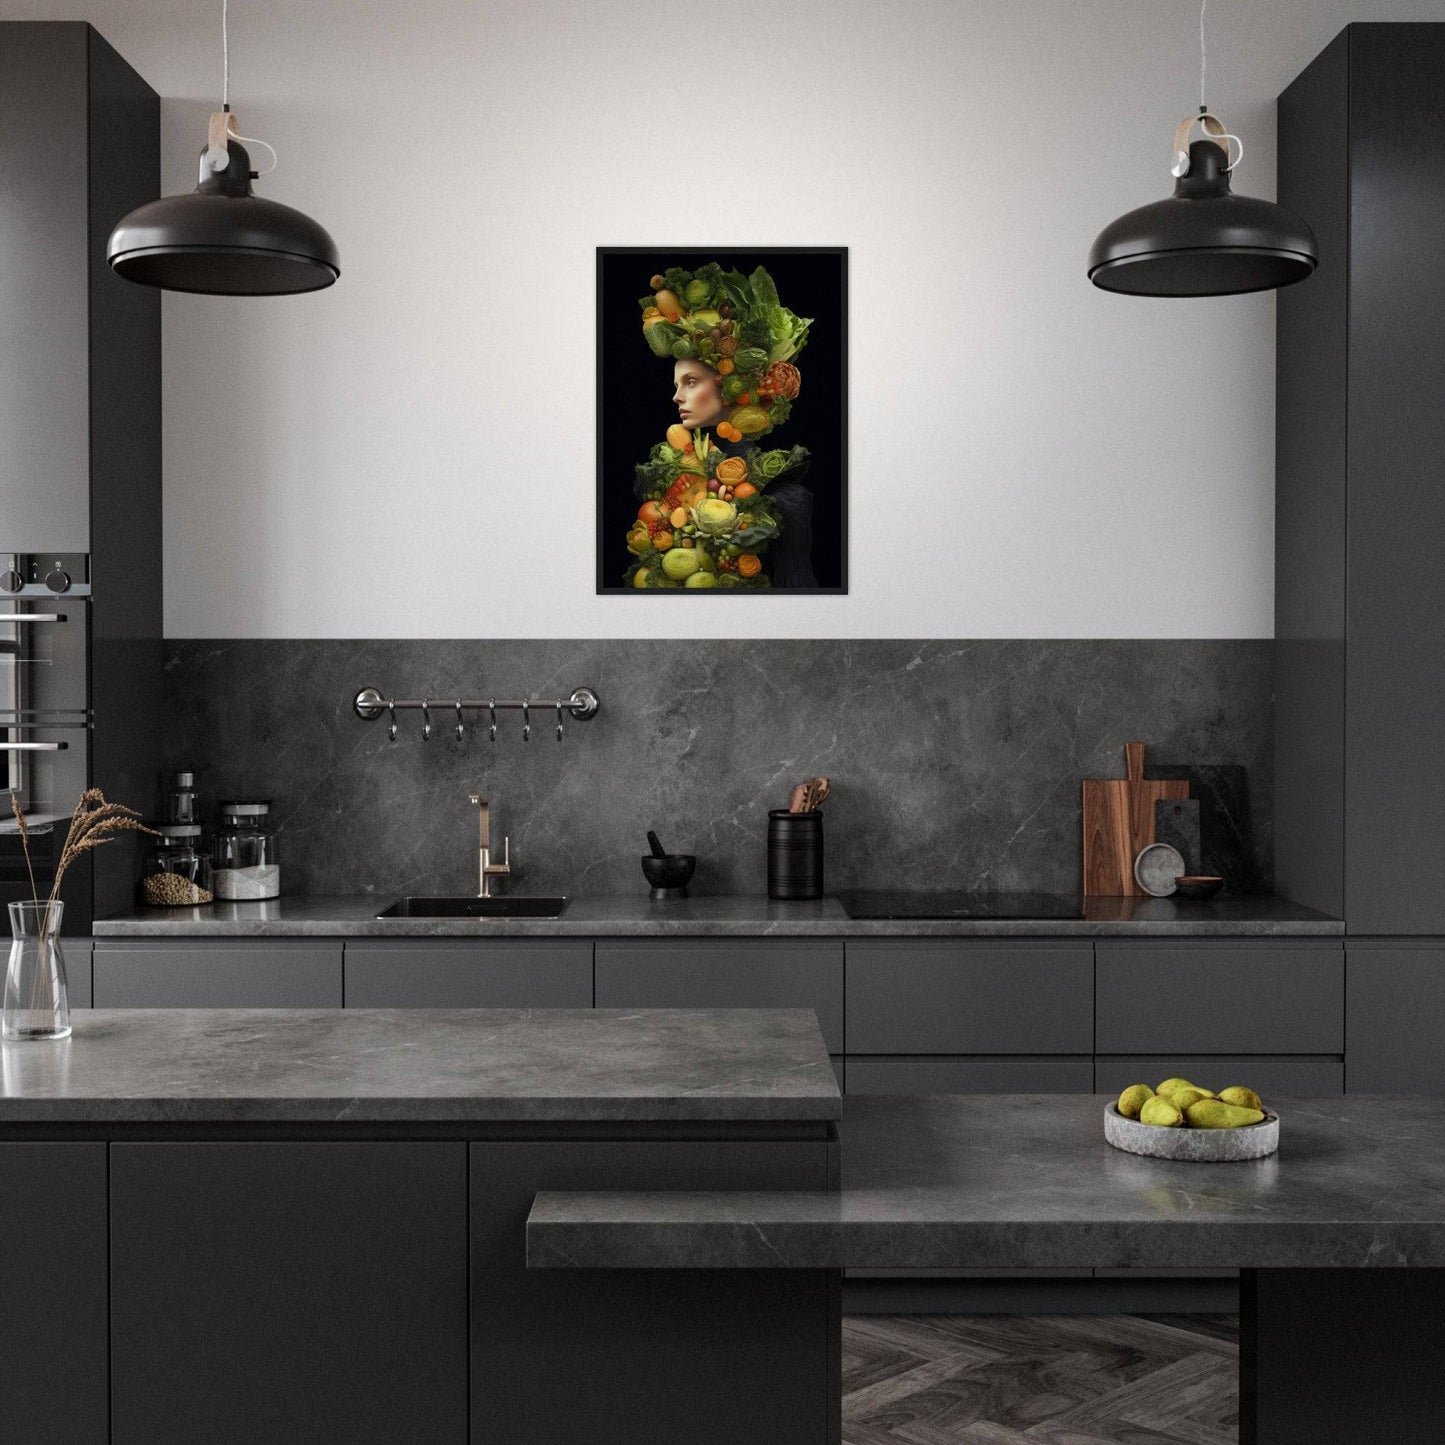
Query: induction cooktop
(866, 903)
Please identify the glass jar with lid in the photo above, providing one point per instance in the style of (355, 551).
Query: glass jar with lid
(245, 851)
(177, 870)
(178, 798)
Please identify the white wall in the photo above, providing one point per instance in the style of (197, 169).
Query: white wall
(1030, 456)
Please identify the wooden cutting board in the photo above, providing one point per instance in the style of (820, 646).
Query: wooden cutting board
(1118, 822)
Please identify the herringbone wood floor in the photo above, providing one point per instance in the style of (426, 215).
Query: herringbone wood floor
(1040, 1380)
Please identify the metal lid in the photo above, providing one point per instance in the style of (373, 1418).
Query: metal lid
(180, 780)
(179, 830)
(252, 808)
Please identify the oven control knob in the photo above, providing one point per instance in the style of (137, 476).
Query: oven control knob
(58, 581)
(11, 581)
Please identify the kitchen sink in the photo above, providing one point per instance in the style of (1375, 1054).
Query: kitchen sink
(473, 907)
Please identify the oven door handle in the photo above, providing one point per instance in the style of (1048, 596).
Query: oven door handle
(32, 617)
(33, 747)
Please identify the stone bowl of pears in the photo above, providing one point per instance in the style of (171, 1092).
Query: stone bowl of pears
(1180, 1120)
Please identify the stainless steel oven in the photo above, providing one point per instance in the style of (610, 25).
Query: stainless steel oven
(45, 715)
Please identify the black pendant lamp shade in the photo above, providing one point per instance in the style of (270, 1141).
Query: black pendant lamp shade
(222, 239)
(1203, 240)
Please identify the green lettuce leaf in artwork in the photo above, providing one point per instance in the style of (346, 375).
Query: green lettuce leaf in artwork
(739, 291)
(661, 337)
(780, 411)
(770, 466)
(675, 279)
(789, 333)
(750, 358)
(765, 293)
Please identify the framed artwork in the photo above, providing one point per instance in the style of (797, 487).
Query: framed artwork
(722, 411)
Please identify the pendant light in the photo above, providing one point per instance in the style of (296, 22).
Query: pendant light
(222, 239)
(1203, 240)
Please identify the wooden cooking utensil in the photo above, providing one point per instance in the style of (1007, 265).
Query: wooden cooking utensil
(798, 801)
(1118, 822)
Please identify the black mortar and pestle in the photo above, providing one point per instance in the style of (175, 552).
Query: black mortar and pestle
(667, 872)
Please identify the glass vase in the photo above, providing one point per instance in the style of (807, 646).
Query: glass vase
(37, 1002)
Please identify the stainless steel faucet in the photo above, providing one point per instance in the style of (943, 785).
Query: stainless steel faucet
(486, 869)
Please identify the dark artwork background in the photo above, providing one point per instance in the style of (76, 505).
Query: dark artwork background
(634, 392)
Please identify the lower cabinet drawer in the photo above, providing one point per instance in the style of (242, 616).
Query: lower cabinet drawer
(969, 1076)
(956, 997)
(77, 953)
(726, 973)
(201, 973)
(1397, 999)
(1202, 997)
(280, 1291)
(1267, 1075)
(500, 973)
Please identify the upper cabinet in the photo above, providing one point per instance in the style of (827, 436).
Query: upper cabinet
(79, 348)
(1360, 478)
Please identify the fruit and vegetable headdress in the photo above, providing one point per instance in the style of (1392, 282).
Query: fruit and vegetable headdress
(735, 324)
(706, 520)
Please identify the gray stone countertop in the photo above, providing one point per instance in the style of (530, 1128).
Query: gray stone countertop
(719, 916)
(358, 1066)
(1023, 1181)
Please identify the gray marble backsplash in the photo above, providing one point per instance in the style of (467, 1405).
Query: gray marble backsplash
(953, 764)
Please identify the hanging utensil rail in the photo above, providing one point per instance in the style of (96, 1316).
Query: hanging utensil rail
(370, 704)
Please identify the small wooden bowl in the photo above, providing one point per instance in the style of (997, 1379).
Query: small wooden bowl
(1198, 886)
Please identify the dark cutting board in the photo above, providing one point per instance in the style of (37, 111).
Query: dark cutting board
(1176, 822)
(1226, 838)
(1118, 822)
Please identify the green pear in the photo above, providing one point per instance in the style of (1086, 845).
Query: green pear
(1133, 1099)
(1169, 1085)
(1244, 1098)
(1216, 1114)
(1183, 1098)
(1161, 1112)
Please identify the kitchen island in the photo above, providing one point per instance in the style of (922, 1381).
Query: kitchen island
(1341, 1234)
(246, 1225)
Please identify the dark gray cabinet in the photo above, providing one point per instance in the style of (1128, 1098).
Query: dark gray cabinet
(1396, 997)
(45, 363)
(1272, 1075)
(1205, 997)
(208, 973)
(611, 1347)
(1359, 818)
(1018, 1075)
(53, 1303)
(80, 368)
(288, 1291)
(77, 953)
(458, 973)
(726, 973)
(952, 996)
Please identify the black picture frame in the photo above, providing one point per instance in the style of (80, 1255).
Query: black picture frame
(610, 306)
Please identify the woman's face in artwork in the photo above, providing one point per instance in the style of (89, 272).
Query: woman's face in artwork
(698, 394)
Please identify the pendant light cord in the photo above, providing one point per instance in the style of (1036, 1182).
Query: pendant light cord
(218, 159)
(1203, 55)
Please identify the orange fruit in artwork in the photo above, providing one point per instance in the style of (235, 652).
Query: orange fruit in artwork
(743, 491)
(649, 512)
(678, 437)
(749, 564)
(662, 541)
